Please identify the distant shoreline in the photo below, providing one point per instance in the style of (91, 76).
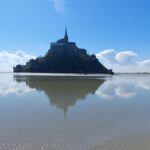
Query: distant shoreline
(136, 73)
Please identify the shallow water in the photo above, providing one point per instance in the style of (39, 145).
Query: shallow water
(48, 113)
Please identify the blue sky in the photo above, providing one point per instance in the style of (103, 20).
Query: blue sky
(97, 25)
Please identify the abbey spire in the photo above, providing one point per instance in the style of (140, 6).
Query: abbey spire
(66, 36)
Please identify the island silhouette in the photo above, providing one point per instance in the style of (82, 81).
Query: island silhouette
(62, 92)
(64, 57)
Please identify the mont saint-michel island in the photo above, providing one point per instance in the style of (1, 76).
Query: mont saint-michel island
(64, 57)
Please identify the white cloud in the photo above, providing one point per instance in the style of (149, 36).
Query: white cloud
(8, 60)
(124, 61)
(107, 55)
(58, 5)
(125, 57)
(145, 63)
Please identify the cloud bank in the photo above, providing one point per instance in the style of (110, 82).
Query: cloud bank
(8, 60)
(58, 5)
(124, 61)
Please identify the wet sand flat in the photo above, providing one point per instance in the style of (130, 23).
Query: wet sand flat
(44, 113)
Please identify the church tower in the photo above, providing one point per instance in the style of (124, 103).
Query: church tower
(66, 39)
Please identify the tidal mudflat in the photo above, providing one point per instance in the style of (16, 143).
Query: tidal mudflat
(45, 113)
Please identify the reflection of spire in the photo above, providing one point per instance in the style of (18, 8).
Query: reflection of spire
(65, 112)
(66, 36)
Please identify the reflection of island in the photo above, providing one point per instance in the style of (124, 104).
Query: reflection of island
(62, 92)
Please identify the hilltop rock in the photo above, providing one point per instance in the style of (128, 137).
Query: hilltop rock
(64, 57)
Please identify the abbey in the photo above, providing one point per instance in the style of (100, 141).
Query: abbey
(64, 56)
(63, 45)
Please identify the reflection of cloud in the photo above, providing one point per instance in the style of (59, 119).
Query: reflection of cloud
(122, 88)
(8, 86)
(125, 92)
(144, 84)
(16, 88)
(106, 90)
